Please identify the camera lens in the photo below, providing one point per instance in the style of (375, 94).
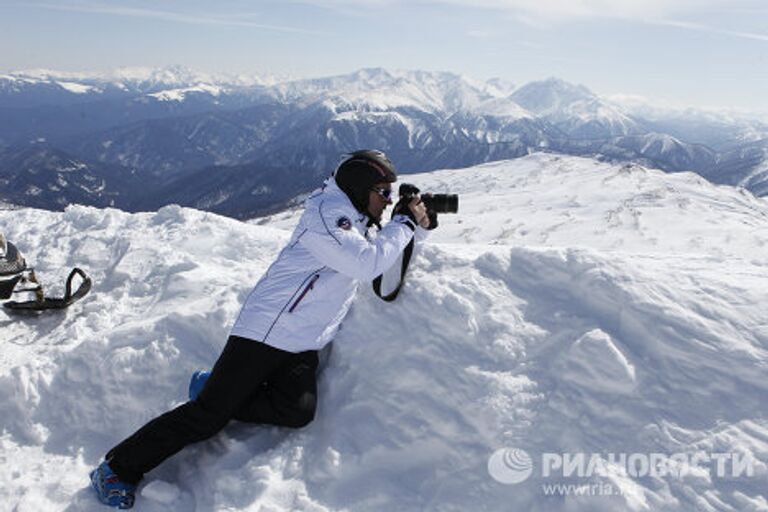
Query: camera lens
(442, 203)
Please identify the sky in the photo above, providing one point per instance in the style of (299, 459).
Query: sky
(701, 53)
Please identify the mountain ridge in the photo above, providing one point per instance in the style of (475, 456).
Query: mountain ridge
(173, 124)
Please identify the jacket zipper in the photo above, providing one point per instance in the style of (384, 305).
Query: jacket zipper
(309, 286)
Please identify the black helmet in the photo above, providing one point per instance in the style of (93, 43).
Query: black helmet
(360, 171)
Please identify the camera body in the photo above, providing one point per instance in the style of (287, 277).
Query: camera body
(438, 203)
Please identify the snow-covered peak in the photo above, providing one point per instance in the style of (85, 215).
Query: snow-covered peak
(77, 88)
(170, 76)
(170, 81)
(182, 93)
(381, 89)
(499, 87)
(655, 109)
(502, 107)
(718, 128)
(550, 96)
(575, 109)
(42, 75)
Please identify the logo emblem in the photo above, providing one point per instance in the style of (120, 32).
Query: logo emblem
(344, 223)
(510, 466)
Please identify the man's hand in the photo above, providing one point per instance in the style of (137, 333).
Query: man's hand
(419, 212)
(403, 207)
(416, 211)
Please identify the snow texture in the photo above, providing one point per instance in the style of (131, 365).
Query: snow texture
(571, 307)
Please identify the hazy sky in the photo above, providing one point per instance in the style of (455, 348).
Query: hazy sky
(680, 52)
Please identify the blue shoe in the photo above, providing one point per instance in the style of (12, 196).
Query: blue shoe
(197, 383)
(110, 490)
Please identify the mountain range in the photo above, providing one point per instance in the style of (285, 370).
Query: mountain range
(245, 146)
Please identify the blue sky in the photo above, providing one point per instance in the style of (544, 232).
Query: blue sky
(710, 53)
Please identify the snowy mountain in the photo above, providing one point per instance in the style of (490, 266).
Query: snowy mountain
(239, 191)
(575, 110)
(719, 129)
(379, 89)
(163, 149)
(168, 125)
(747, 166)
(42, 176)
(573, 307)
(41, 87)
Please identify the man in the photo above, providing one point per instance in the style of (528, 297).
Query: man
(266, 372)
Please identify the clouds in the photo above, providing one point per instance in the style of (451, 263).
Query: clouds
(545, 14)
(179, 15)
(680, 14)
(561, 9)
(713, 30)
(572, 10)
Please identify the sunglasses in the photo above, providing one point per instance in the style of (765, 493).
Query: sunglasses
(386, 193)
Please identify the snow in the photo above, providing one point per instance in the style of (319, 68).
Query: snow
(174, 82)
(571, 307)
(77, 88)
(163, 492)
(502, 107)
(181, 94)
(660, 108)
(355, 119)
(382, 89)
(41, 74)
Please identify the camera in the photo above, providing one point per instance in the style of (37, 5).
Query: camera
(438, 203)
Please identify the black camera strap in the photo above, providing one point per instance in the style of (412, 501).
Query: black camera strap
(407, 252)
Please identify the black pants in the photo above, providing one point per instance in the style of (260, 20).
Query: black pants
(251, 382)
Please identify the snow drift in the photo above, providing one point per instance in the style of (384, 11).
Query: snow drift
(572, 307)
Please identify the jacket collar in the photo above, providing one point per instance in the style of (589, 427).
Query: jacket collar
(332, 189)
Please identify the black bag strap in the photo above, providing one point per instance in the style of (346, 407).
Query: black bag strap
(407, 252)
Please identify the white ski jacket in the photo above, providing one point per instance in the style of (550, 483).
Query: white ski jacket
(301, 300)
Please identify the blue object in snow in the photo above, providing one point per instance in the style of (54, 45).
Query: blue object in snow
(110, 489)
(197, 383)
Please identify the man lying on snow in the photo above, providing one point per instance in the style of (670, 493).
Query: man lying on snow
(266, 372)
